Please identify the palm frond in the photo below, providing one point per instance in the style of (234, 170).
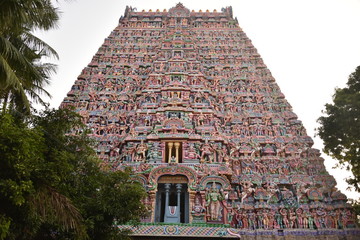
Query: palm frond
(36, 43)
(35, 14)
(53, 207)
(12, 82)
(9, 51)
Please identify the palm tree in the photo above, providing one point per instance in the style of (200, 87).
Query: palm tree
(22, 75)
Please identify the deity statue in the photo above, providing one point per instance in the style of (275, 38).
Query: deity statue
(154, 154)
(221, 153)
(247, 190)
(198, 207)
(285, 218)
(206, 152)
(213, 198)
(191, 153)
(292, 219)
(141, 151)
(173, 159)
(200, 119)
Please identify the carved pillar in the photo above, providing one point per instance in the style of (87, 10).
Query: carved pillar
(167, 189)
(191, 203)
(177, 146)
(163, 151)
(152, 198)
(170, 145)
(203, 197)
(178, 188)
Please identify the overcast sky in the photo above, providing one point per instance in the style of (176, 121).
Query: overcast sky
(310, 46)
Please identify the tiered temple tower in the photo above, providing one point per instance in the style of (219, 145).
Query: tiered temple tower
(185, 99)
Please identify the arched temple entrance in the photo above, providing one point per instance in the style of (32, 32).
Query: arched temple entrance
(172, 199)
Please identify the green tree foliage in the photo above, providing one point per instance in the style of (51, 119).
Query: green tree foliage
(22, 74)
(51, 185)
(340, 127)
(356, 208)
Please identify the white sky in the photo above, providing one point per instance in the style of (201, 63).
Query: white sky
(310, 46)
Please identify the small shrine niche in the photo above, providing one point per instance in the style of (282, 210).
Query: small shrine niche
(176, 78)
(178, 54)
(173, 152)
(175, 95)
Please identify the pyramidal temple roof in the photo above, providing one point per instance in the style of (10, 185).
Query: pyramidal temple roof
(185, 100)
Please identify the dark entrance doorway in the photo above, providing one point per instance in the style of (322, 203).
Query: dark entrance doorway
(172, 200)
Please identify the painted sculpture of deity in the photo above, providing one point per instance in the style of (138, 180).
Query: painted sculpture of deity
(214, 196)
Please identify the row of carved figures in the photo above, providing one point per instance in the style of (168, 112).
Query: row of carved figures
(213, 209)
(120, 77)
(291, 218)
(103, 129)
(201, 34)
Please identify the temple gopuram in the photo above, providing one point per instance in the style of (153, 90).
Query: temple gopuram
(185, 100)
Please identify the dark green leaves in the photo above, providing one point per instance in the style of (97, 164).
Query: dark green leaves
(51, 182)
(340, 127)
